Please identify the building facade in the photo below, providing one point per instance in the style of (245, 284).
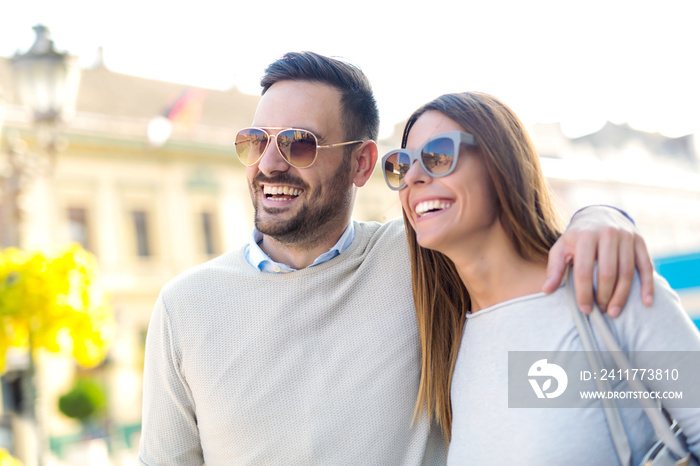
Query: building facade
(146, 178)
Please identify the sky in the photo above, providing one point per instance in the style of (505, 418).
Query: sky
(574, 62)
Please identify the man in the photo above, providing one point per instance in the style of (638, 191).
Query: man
(302, 347)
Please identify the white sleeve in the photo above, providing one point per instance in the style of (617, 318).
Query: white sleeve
(169, 434)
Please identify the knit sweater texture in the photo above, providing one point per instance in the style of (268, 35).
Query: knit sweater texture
(315, 367)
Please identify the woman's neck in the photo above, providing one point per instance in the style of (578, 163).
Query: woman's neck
(493, 271)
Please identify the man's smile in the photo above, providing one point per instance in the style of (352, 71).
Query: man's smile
(281, 193)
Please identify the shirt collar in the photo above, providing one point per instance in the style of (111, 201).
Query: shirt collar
(256, 257)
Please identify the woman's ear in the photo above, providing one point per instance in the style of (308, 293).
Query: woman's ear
(366, 159)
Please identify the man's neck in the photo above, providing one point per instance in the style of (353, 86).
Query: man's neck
(300, 255)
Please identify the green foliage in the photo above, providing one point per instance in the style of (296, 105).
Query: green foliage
(85, 400)
(51, 300)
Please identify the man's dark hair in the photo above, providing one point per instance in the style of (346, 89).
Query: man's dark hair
(358, 106)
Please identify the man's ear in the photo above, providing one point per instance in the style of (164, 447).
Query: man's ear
(366, 159)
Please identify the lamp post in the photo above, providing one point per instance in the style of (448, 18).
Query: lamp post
(9, 182)
(2, 114)
(46, 81)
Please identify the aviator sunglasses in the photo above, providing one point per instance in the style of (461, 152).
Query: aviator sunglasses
(438, 157)
(298, 147)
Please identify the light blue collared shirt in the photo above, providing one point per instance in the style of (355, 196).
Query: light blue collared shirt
(261, 261)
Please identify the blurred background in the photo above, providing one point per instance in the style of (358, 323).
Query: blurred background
(116, 129)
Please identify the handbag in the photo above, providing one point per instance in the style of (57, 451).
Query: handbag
(671, 447)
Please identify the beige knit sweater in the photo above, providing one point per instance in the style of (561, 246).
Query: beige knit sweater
(314, 367)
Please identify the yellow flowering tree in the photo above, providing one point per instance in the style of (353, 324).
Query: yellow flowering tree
(8, 460)
(52, 300)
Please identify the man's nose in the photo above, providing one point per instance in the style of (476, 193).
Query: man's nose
(271, 160)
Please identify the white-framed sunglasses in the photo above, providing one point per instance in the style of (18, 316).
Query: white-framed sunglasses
(438, 157)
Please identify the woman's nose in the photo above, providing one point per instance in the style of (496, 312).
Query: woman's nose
(416, 174)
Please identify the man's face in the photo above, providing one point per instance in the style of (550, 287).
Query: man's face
(301, 205)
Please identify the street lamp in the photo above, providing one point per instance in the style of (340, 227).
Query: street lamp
(47, 82)
(2, 101)
(10, 180)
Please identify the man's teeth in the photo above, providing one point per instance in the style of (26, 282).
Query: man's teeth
(427, 206)
(283, 190)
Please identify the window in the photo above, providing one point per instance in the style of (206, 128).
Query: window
(206, 231)
(140, 219)
(78, 230)
(209, 242)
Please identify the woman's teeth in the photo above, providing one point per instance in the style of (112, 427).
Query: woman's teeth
(430, 206)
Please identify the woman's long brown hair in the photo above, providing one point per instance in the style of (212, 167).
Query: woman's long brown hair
(526, 212)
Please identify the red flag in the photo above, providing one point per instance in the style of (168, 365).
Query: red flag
(186, 112)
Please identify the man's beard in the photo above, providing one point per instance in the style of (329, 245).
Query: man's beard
(315, 219)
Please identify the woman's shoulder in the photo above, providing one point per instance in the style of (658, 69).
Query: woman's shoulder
(664, 325)
(665, 300)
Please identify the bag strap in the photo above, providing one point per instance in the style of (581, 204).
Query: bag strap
(661, 425)
(612, 414)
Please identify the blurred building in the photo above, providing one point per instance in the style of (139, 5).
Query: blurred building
(146, 178)
(654, 178)
(148, 181)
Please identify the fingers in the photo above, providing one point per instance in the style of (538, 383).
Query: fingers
(608, 244)
(602, 234)
(585, 257)
(646, 270)
(624, 275)
(559, 258)
(612, 241)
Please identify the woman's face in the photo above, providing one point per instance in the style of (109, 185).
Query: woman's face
(449, 210)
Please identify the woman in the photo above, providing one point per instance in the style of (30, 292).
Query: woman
(480, 223)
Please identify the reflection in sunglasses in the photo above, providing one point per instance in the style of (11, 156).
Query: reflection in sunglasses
(434, 161)
(396, 168)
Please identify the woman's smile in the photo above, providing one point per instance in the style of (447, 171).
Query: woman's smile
(431, 206)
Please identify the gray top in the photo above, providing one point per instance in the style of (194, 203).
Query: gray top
(486, 431)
